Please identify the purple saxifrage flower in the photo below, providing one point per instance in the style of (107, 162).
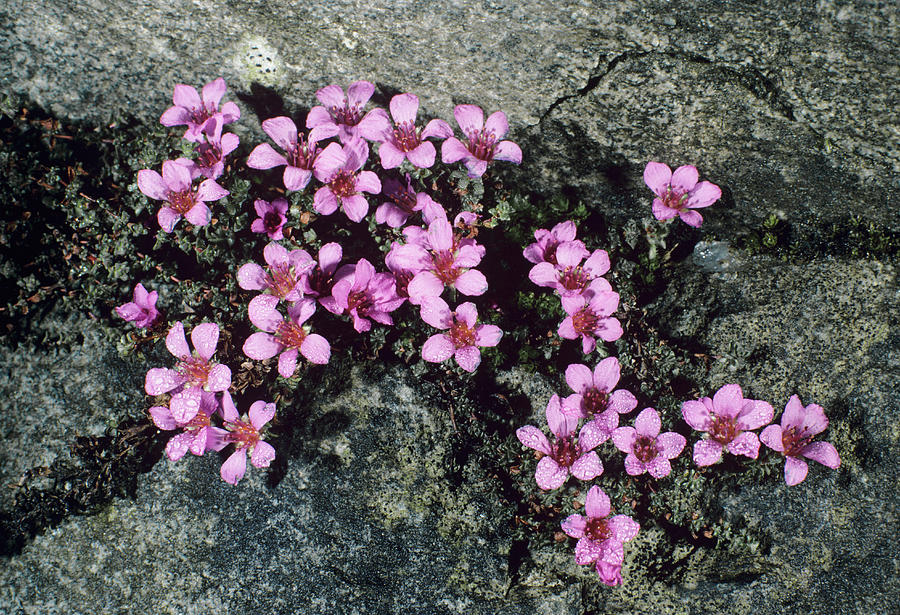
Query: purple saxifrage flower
(679, 193)
(284, 275)
(483, 140)
(213, 148)
(600, 537)
(300, 153)
(727, 418)
(793, 439)
(174, 187)
(197, 434)
(569, 276)
(271, 218)
(142, 310)
(402, 202)
(192, 109)
(402, 140)
(345, 113)
(647, 449)
(440, 259)
(595, 397)
(339, 169)
(589, 317)
(320, 280)
(364, 294)
(567, 454)
(194, 373)
(463, 335)
(544, 249)
(246, 437)
(286, 338)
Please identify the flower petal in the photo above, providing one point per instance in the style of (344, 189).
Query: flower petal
(438, 348)
(219, 378)
(795, 470)
(648, 423)
(684, 178)
(588, 466)
(670, 444)
(596, 503)
(205, 337)
(532, 437)
(823, 452)
(185, 405)
(160, 380)
(549, 474)
(262, 455)
(574, 525)
(657, 177)
(176, 342)
(234, 467)
(707, 452)
(260, 413)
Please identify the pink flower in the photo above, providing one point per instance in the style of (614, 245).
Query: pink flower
(300, 153)
(285, 271)
(271, 218)
(727, 418)
(799, 425)
(589, 318)
(678, 193)
(339, 168)
(403, 140)
(213, 148)
(483, 143)
(364, 294)
(287, 337)
(193, 374)
(195, 111)
(174, 187)
(544, 249)
(244, 434)
(569, 276)
(566, 454)
(463, 337)
(142, 310)
(320, 280)
(647, 449)
(345, 113)
(600, 537)
(197, 433)
(402, 203)
(440, 258)
(594, 397)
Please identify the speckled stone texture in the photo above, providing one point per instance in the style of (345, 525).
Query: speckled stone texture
(794, 111)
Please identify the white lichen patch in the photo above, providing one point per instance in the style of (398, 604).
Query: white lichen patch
(258, 61)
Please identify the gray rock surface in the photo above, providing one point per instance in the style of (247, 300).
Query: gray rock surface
(792, 111)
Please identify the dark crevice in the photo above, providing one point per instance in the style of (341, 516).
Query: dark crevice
(747, 77)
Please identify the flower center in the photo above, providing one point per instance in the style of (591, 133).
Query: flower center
(302, 154)
(794, 441)
(573, 278)
(404, 199)
(208, 155)
(482, 144)
(195, 371)
(645, 448)
(674, 199)
(565, 452)
(343, 184)
(584, 321)
(723, 429)
(594, 401)
(401, 282)
(281, 280)
(444, 269)
(461, 334)
(200, 420)
(550, 252)
(290, 334)
(597, 529)
(244, 435)
(360, 300)
(182, 202)
(271, 221)
(200, 114)
(319, 282)
(406, 137)
(346, 114)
